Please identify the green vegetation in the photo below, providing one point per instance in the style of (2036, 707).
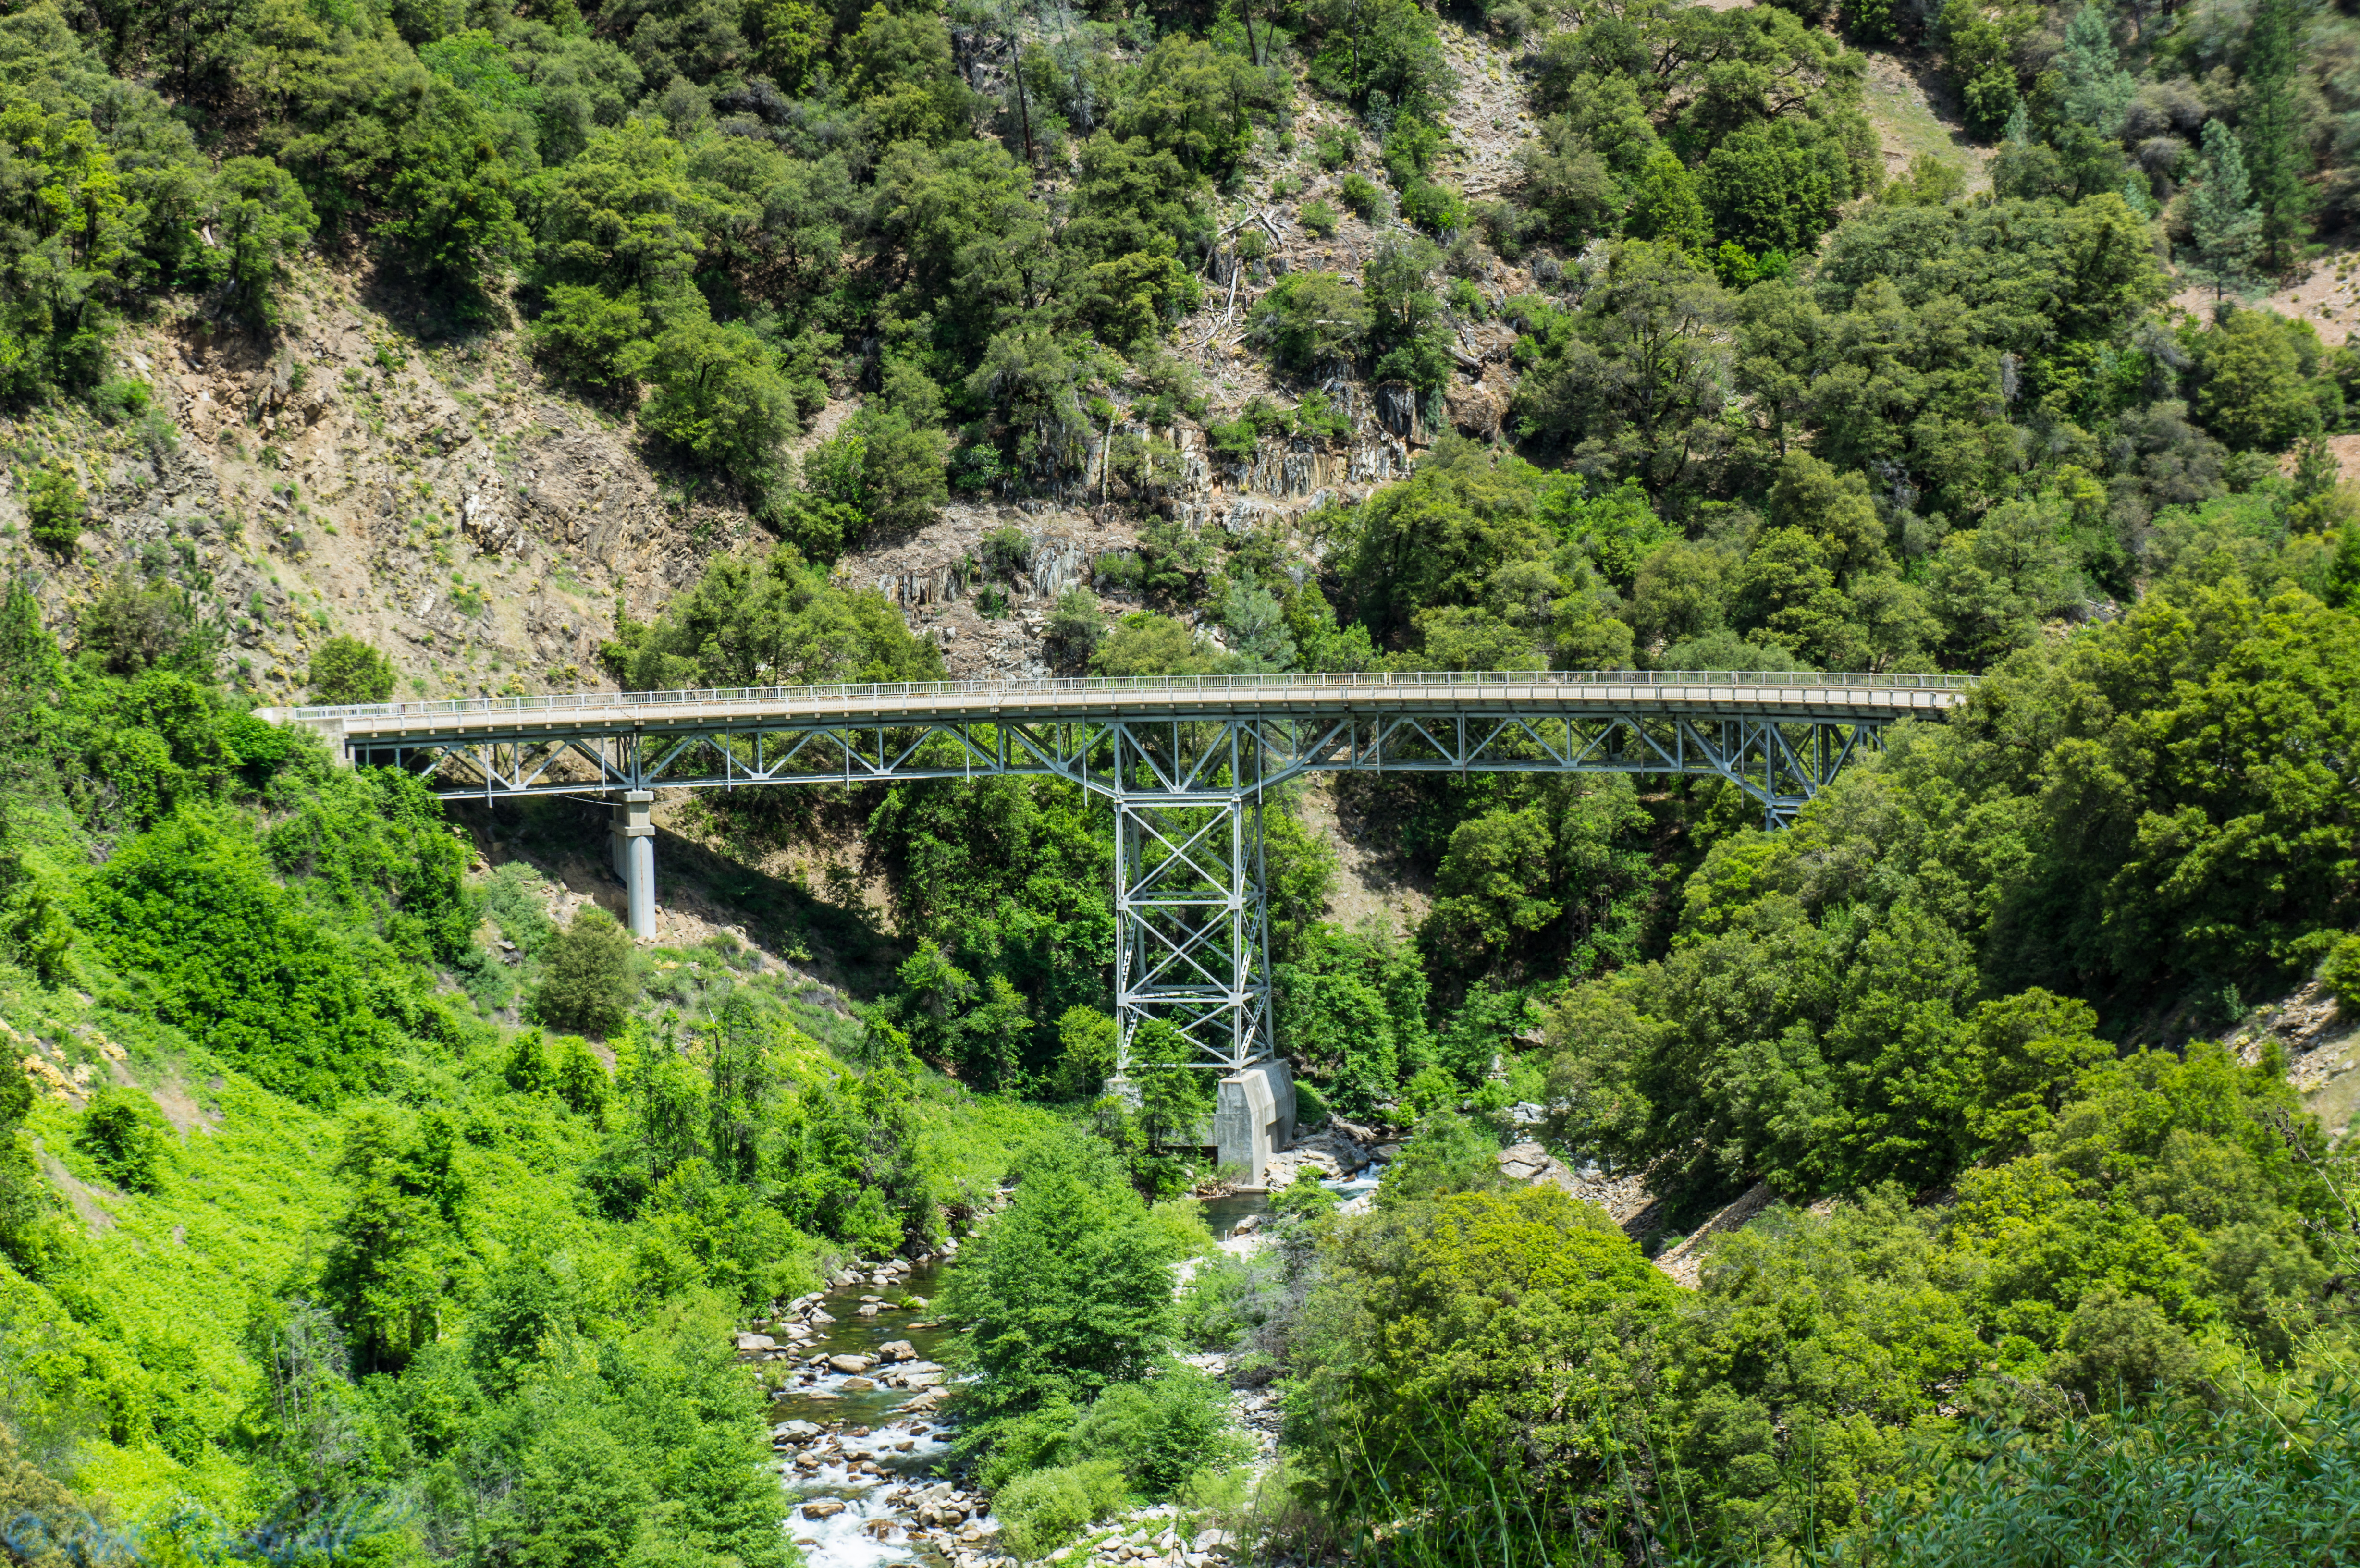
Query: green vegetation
(55, 508)
(346, 670)
(390, 1245)
(346, 1172)
(588, 984)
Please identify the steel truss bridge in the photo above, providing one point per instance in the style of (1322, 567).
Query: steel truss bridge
(1185, 763)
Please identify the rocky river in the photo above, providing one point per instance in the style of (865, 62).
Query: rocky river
(858, 1395)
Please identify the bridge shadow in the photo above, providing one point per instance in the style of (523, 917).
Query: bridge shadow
(699, 890)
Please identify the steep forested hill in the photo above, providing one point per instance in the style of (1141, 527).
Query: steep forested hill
(361, 1178)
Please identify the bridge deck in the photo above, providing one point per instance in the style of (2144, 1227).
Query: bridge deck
(1773, 695)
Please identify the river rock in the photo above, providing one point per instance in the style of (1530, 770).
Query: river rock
(897, 1350)
(748, 1342)
(869, 1309)
(817, 1316)
(822, 1507)
(796, 1430)
(852, 1363)
(857, 1384)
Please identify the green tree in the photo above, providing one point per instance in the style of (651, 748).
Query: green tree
(1068, 1290)
(388, 1264)
(1086, 1052)
(789, 37)
(2255, 392)
(2278, 148)
(453, 197)
(1630, 383)
(887, 467)
(1176, 1096)
(589, 337)
(2340, 974)
(233, 956)
(1311, 320)
(1667, 207)
(134, 624)
(123, 1131)
(2223, 220)
(718, 396)
(1144, 643)
(346, 670)
(588, 985)
(1531, 1317)
(2097, 90)
(770, 619)
(261, 220)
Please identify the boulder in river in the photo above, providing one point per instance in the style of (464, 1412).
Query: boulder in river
(852, 1363)
(796, 1430)
(822, 1507)
(857, 1384)
(746, 1342)
(897, 1350)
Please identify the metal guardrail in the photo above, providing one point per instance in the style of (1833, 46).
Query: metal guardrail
(1143, 685)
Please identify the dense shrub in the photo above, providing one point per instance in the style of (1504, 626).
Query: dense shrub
(123, 1132)
(54, 507)
(588, 982)
(346, 670)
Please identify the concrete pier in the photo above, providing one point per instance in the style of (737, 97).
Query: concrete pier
(632, 840)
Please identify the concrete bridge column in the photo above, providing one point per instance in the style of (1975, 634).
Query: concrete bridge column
(1253, 1116)
(632, 840)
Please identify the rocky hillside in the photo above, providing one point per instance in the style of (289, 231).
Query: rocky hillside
(371, 469)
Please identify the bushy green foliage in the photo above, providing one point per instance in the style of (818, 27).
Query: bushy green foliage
(346, 670)
(1003, 881)
(1352, 1010)
(1043, 1509)
(2341, 974)
(2167, 1484)
(230, 955)
(54, 510)
(588, 984)
(1067, 1291)
(122, 1131)
(772, 619)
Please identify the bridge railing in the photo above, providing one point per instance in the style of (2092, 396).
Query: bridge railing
(1144, 685)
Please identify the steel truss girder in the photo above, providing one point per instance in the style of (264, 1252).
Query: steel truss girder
(1779, 762)
(1192, 910)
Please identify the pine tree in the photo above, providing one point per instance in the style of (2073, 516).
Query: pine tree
(2098, 90)
(2274, 150)
(2226, 225)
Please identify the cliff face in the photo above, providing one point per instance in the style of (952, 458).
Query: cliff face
(344, 476)
(444, 502)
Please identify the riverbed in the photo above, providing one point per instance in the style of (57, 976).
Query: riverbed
(877, 1459)
(849, 1439)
